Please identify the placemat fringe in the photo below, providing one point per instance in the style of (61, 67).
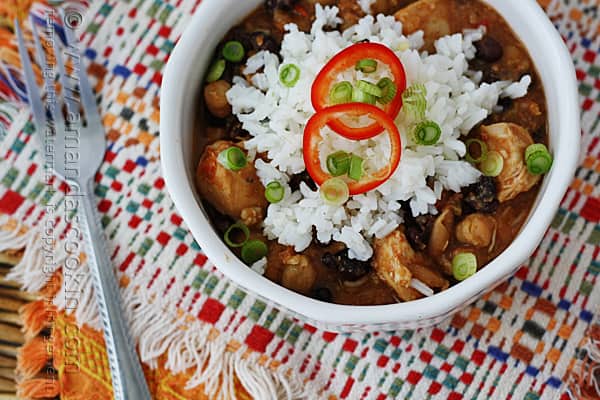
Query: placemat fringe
(27, 272)
(214, 359)
(38, 265)
(584, 381)
(189, 344)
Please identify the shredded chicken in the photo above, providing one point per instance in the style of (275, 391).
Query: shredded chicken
(431, 16)
(392, 255)
(476, 229)
(230, 192)
(511, 141)
(397, 263)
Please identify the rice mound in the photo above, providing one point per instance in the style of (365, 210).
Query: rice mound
(275, 117)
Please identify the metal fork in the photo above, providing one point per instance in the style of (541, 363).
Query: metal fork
(77, 158)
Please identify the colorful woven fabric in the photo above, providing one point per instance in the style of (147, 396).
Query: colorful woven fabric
(525, 340)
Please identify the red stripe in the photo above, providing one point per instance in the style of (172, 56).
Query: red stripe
(347, 387)
(127, 262)
(153, 278)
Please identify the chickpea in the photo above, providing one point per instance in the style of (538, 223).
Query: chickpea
(476, 229)
(299, 275)
(215, 95)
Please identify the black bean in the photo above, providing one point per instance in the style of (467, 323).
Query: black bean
(221, 222)
(540, 135)
(234, 129)
(350, 269)
(481, 196)
(286, 5)
(417, 238)
(303, 176)
(323, 294)
(260, 40)
(506, 103)
(329, 260)
(488, 49)
(417, 229)
(211, 120)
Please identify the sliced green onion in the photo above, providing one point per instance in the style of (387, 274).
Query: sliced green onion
(369, 88)
(358, 96)
(233, 51)
(289, 75)
(338, 163)
(274, 192)
(335, 191)
(253, 251)
(414, 101)
(538, 159)
(483, 151)
(464, 265)
(492, 165)
(427, 133)
(233, 158)
(236, 228)
(341, 93)
(388, 90)
(216, 71)
(356, 168)
(366, 65)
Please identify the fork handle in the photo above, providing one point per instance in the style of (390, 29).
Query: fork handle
(127, 376)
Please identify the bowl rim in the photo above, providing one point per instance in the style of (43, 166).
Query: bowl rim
(181, 188)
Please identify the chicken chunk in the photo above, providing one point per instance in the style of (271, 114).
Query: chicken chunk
(476, 229)
(431, 16)
(350, 12)
(230, 192)
(397, 263)
(441, 233)
(511, 141)
(392, 255)
(388, 7)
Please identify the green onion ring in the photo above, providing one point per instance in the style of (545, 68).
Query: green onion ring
(233, 158)
(538, 159)
(341, 93)
(274, 192)
(237, 226)
(388, 90)
(338, 163)
(358, 96)
(427, 133)
(464, 265)
(492, 165)
(369, 88)
(414, 101)
(335, 191)
(289, 75)
(366, 65)
(254, 250)
(356, 168)
(482, 146)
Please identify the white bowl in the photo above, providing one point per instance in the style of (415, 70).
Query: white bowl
(178, 107)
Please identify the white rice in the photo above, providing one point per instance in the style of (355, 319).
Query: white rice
(260, 266)
(366, 5)
(276, 115)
